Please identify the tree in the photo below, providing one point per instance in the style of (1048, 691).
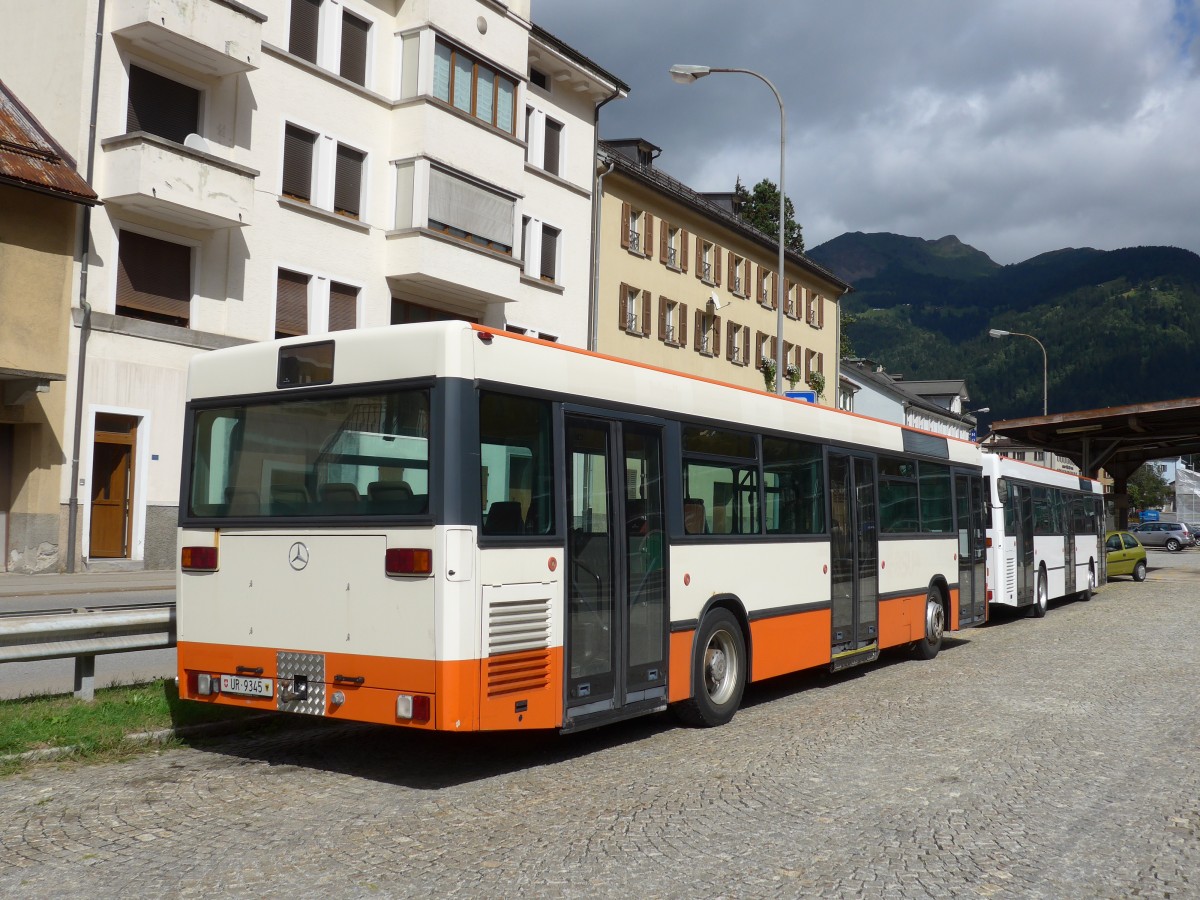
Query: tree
(847, 348)
(1147, 489)
(759, 208)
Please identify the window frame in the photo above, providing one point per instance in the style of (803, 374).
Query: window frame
(499, 74)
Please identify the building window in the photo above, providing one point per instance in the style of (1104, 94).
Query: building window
(303, 29)
(470, 213)
(160, 106)
(539, 78)
(549, 265)
(634, 313)
(633, 230)
(154, 279)
(737, 348)
(343, 307)
(473, 87)
(353, 63)
(291, 304)
(671, 243)
(706, 268)
(410, 58)
(708, 333)
(553, 142)
(405, 312)
(299, 147)
(347, 186)
(672, 319)
(789, 300)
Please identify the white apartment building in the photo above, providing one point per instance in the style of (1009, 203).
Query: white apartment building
(283, 167)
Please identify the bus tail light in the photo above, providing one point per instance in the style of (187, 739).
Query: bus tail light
(408, 561)
(412, 708)
(198, 559)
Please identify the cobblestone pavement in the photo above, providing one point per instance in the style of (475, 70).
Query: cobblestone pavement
(1053, 758)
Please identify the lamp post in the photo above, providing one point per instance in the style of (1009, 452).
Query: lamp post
(999, 333)
(686, 75)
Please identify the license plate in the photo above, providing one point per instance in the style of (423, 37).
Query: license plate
(249, 687)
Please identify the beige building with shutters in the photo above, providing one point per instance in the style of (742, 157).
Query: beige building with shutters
(684, 284)
(293, 167)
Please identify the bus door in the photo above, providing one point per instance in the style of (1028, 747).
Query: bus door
(617, 617)
(1023, 498)
(1066, 512)
(854, 558)
(972, 547)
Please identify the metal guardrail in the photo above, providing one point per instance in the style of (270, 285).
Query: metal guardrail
(84, 634)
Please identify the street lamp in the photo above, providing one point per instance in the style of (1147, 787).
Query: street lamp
(999, 333)
(686, 75)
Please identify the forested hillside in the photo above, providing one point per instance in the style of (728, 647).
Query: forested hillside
(1119, 326)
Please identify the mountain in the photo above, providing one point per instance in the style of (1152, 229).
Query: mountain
(1109, 320)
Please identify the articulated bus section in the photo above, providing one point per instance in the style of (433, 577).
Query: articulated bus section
(444, 527)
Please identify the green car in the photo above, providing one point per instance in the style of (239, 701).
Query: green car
(1126, 555)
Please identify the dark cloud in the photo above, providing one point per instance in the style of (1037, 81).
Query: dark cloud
(1021, 126)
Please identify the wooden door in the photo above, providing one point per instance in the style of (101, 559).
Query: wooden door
(112, 486)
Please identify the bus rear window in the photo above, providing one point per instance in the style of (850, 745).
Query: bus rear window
(362, 455)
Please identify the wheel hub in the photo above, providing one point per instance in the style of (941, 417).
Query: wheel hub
(717, 666)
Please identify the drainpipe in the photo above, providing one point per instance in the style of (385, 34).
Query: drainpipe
(85, 326)
(597, 195)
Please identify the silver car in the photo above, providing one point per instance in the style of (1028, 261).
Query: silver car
(1172, 535)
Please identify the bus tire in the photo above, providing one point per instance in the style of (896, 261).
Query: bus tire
(1087, 592)
(718, 672)
(935, 626)
(1139, 570)
(1173, 545)
(1041, 598)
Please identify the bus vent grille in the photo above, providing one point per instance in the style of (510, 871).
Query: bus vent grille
(515, 672)
(1010, 577)
(515, 625)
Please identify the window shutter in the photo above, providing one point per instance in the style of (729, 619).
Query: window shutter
(681, 328)
(774, 348)
(664, 231)
(549, 252)
(775, 292)
(698, 334)
(646, 310)
(155, 277)
(158, 105)
(343, 307)
(648, 246)
(347, 188)
(729, 340)
(716, 344)
(291, 304)
(553, 141)
(745, 346)
(353, 65)
(623, 308)
(683, 251)
(820, 311)
(302, 36)
(820, 362)
(787, 353)
(699, 257)
(758, 344)
(297, 162)
(733, 273)
(789, 308)
(717, 266)
(626, 212)
(662, 318)
(759, 285)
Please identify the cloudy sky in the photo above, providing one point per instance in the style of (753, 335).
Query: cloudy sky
(1020, 126)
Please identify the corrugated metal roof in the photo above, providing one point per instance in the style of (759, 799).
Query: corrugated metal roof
(31, 158)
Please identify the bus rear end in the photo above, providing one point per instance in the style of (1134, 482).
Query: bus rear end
(310, 534)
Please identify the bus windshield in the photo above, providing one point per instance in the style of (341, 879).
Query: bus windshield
(364, 454)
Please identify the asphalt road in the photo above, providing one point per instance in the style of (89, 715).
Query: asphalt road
(1050, 758)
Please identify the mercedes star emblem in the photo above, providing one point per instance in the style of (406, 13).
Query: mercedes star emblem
(298, 556)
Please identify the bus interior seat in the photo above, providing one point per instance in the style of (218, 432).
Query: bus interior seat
(693, 515)
(504, 517)
(338, 496)
(395, 497)
(289, 499)
(242, 502)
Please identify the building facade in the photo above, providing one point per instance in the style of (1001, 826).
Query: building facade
(291, 167)
(42, 199)
(684, 284)
(938, 406)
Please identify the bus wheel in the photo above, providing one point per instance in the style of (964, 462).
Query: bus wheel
(1041, 599)
(935, 627)
(1139, 570)
(1086, 593)
(718, 671)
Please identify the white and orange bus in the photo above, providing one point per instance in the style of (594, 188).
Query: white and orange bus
(447, 527)
(1045, 534)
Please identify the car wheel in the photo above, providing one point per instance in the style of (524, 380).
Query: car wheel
(1139, 570)
(1172, 544)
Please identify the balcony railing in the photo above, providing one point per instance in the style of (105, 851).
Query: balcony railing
(672, 257)
(635, 241)
(706, 271)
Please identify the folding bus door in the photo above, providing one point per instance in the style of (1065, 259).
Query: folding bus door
(617, 616)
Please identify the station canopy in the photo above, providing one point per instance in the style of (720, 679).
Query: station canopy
(1117, 439)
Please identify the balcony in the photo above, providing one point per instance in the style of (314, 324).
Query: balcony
(443, 271)
(207, 37)
(186, 186)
